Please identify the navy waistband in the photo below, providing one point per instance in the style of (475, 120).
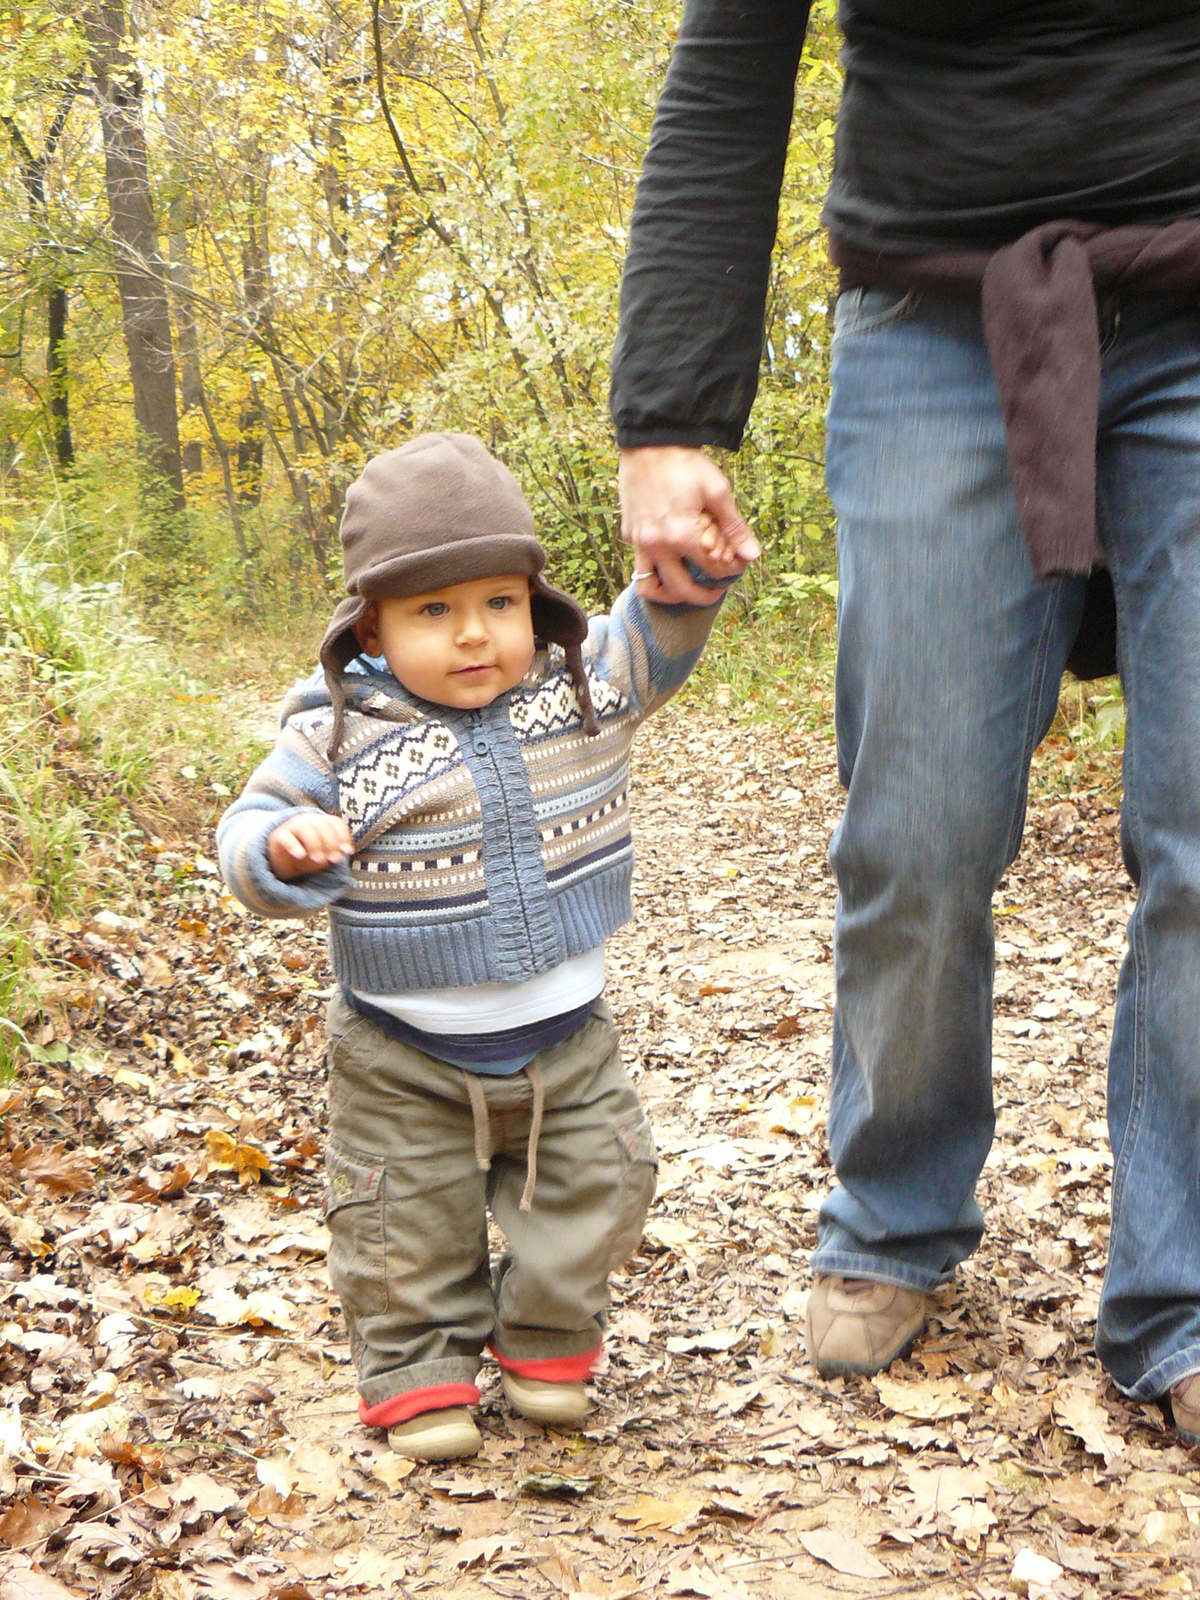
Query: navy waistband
(478, 1049)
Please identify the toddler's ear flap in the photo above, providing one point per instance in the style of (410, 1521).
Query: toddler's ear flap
(560, 620)
(338, 649)
(556, 617)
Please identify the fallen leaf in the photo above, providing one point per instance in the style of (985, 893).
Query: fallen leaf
(83, 1431)
(648, 1512)
(97, 1539)
(99, 1391)
(29, 1521)
(24, 1235)
(843, 1552)
(674, 1235)
(128, 1454)
(228, 1155)
(93, 1481)
(1029, 1567)
(62, 1171)
(1085, 1503)
(258, 1309)
(925, 1399)
(200, 1389)
(718, 1339)
(486, 1549)
(204, 1492)
(1080, 1410)
(391, 1470)
(30, 1583)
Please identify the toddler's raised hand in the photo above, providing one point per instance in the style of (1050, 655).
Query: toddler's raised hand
(308, 843)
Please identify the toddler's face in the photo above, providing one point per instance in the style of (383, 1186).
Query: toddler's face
(459, 646)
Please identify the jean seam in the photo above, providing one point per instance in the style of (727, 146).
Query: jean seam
(1140, 958)
(904, 308)
(1158, 1381)
(1037, 686)
(878, 1269)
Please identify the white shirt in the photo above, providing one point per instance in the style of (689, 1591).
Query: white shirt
(496, 1007)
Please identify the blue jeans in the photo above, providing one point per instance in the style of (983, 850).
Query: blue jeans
(950, 656)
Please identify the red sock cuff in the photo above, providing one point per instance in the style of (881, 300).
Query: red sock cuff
(554, 1369)
(437, 1397)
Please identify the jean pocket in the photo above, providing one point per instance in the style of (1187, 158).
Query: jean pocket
(871, 310)
(354, 1202)
(639, 1174)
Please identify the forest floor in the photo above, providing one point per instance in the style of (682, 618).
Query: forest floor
(177, 1406)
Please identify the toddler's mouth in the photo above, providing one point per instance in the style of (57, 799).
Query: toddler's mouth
(468, 672)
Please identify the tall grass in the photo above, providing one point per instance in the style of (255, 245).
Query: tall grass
(106, 739)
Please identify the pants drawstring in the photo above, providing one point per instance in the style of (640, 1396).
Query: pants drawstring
(535, 1133)
(479, 1113)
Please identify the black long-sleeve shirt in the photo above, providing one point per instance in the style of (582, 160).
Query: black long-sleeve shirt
(952, 134)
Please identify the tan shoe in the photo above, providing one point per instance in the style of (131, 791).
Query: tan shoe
(443, 1435)
(857, 1327)
(1185, 1407)
(564, 1404)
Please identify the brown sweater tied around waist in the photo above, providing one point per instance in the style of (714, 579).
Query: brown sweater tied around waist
(1040, 322)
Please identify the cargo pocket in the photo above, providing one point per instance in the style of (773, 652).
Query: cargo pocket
(354, 1199)
(639, 1168)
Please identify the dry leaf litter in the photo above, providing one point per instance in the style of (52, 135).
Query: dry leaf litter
(176, 1400)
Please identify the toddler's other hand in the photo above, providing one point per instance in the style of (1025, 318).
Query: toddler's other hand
(716, 544)
(307, 844)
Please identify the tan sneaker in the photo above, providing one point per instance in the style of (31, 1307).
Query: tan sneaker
(1185, 1408)
(564, 1404)
(443, 1435)
(857, 1327)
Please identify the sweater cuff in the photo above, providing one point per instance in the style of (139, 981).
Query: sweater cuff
(295, 897)
(690, 437)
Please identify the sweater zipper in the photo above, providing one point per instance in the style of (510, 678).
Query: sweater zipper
(481, 745)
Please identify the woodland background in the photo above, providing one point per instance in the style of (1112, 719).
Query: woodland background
(243, 247)
(250, 245)
(246, 246)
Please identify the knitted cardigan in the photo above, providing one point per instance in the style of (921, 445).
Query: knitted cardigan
(490, 845)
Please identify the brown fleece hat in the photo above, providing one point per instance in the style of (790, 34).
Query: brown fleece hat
(441, 510)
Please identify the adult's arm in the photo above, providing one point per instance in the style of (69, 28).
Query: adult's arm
(693, 294)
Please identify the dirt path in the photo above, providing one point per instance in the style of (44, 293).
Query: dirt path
(178, 1409)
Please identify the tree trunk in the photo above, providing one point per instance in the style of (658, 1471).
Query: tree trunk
(190, 382)
(33, 174)
(141, 276)
(255, 288)
(57, 377)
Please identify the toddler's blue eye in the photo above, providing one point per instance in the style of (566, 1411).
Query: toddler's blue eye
(499, 602)
(435, 608)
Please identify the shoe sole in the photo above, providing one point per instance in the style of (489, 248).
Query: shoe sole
(867, 1369)
(555, 1421)
(445, 1453)
(547, 1417)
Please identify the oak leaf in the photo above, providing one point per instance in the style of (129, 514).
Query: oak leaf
(1079, 1410)
(31, 1520)
(648, 1512)
(925, 1399)
(843, 1552)
(228, 1155)
(62, 1171)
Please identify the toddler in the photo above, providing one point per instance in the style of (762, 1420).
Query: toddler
(451, 786)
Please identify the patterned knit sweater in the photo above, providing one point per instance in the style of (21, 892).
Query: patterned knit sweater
(490, 845)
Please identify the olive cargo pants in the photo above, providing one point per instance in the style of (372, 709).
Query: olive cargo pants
(407, 1203)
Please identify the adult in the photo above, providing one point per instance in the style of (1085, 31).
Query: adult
(1015, 402)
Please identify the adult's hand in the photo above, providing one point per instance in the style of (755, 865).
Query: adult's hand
(676, 504)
